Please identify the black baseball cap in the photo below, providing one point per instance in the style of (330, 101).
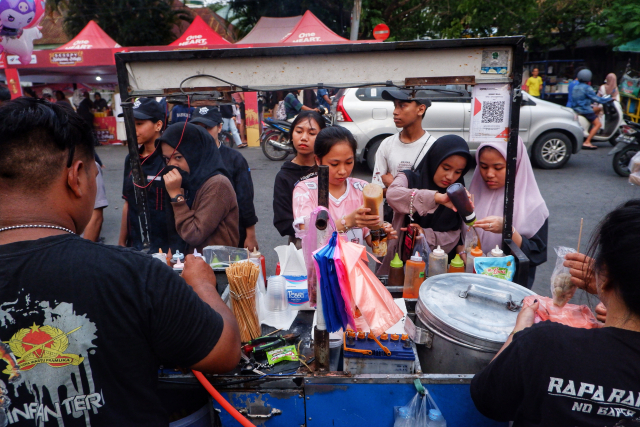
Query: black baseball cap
(208, 115)
(147, 109)
(404, 95)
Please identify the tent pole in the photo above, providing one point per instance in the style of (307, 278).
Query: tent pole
(134, 156)
(320, 333)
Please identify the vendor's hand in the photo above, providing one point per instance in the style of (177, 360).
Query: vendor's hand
(601, 312)
(196, 271)
(391, 233)
(526, 317)
(580, 268)
(173, 182)
(387, 179)
(363, 219)
(492, 224)
(443, 199)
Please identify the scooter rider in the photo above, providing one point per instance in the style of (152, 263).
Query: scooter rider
(582, 97)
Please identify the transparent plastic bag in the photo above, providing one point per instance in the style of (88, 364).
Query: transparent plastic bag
(577, 316)
(421, 411)
(221, 257)
(634, 168)
(561, 288)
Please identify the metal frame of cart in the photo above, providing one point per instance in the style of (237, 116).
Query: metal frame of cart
(213, 75)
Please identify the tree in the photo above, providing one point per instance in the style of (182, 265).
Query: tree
(621, 19)
(407, 19)
(128, 22)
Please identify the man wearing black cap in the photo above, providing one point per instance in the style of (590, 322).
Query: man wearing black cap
(404, 150)
(209, 117)
(149, 118)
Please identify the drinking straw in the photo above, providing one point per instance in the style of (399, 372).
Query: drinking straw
(580, 235)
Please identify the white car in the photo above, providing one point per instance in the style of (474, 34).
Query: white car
(550, 132)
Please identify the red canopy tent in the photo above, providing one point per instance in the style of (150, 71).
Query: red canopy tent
(305, 29)
(199, 34)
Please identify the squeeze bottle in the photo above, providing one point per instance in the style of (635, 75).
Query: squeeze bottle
(457, 265)
(475, 253)
(257, 255)
(437, 262)
(414, 276)
(396, 272)
(460, 199)
(496, 252)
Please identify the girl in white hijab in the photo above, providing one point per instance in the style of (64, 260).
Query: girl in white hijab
(530, 213)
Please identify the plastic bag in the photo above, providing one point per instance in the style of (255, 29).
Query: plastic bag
(561, 288)
(421, 411)
(221, 257)
(312, 239)
(577, 316)
(634, 168)
(503, 267)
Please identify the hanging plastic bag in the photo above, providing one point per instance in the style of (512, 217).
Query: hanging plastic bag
(577, 316)
(421, 411)
(333, 305)
(371, 298)
(312, 239)
(343, 281)
(634, 168)
(562, 290)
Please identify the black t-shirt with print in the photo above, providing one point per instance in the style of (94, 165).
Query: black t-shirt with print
(88, 326)
(555, 375)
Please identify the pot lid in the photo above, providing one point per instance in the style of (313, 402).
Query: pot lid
(471, 308)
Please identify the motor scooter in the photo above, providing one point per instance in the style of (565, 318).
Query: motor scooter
(627, 145)
(613, 120)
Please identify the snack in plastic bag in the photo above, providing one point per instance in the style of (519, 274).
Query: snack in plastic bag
(503, 267)
(577, 316)
(221, 257)
(561, 288)
(282, 354)
(634, 168)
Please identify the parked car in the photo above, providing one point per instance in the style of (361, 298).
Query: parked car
(550, 132)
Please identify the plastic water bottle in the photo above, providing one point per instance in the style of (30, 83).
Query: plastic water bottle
(436, 419)
(403, 418)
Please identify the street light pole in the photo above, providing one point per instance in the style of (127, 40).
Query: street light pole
(355, 19)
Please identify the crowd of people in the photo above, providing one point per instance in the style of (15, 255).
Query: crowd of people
(201, 193)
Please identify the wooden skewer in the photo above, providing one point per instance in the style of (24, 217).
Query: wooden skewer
(580, 235)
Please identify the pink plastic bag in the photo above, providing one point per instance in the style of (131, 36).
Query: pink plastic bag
(577, 316)
(368, 295)
(345, 288)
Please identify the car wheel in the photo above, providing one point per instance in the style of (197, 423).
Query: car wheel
(622, 159)
(371, 153)
(552, 150)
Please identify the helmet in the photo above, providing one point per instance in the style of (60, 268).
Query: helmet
(585, 76)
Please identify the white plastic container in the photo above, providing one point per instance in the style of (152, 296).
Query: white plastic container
(437, 262)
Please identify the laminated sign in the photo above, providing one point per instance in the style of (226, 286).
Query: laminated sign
(490, 108)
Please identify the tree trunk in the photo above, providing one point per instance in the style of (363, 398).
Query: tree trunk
(355, 19)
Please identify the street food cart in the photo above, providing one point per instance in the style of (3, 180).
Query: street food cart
(313, 395)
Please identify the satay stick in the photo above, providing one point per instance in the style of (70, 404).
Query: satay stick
(580, 235)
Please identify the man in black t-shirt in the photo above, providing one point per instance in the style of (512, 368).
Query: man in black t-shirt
(84, 326)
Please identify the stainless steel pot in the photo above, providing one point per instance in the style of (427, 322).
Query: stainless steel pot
(466, 318)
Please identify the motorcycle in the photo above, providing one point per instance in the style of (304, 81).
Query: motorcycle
(627, 145)
(613, 121)
(275, 141)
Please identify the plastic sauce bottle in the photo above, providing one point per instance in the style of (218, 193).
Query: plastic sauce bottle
(496, 252)
(460, 199)
(437, 262)
(475, 253)
(457, 265)
(257, 255)
(396, 272)
(414, 276)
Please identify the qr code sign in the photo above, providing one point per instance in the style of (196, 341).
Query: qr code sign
(493, 111)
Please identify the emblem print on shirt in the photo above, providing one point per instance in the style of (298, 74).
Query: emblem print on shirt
(43, 344)
(47, 363)
(358, 185)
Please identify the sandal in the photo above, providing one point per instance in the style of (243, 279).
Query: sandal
(589, 147)
(244, 145)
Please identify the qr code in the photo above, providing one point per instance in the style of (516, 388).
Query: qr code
(493, 111)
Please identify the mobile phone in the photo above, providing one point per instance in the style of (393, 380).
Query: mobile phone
(408, 243)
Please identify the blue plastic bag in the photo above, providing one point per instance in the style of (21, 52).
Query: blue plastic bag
(503, 267)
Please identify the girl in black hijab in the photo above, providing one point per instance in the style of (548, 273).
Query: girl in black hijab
(205, 210)
(419, 198)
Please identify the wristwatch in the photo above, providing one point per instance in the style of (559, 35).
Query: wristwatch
(178, 198)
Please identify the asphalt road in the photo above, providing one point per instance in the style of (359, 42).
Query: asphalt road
(587, 187)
